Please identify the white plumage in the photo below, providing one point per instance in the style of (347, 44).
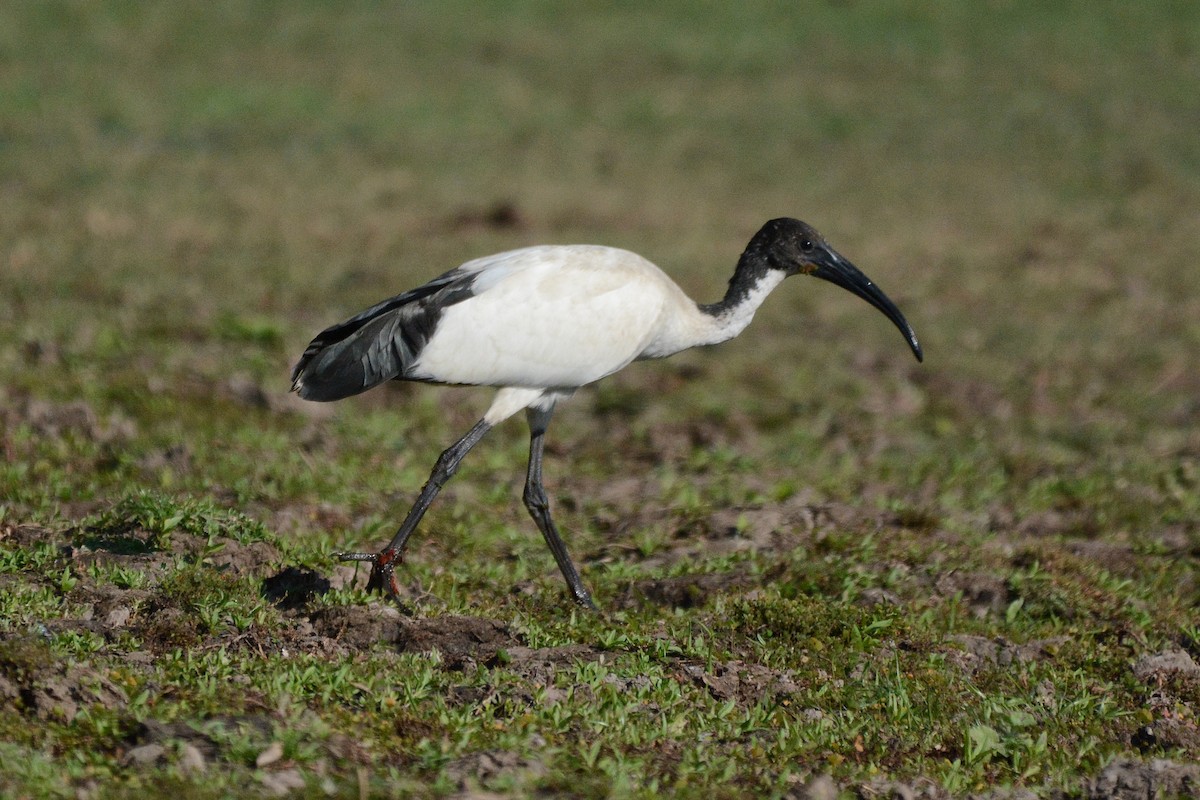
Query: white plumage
(550, 317)
(540, 322)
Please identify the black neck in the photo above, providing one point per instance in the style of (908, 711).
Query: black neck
(751, 269)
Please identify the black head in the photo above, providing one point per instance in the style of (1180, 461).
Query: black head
(796, 248)
(788, 244)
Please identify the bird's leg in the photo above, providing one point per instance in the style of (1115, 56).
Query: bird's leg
(383, 563)
(539, 506)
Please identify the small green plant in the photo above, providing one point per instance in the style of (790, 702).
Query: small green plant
(161, 515)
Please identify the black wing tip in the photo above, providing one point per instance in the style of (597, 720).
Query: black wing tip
(322, 377)
(376, 345)
(324, 393)
(298, 385)
(332, 387)
(300, 370)
(305, 388)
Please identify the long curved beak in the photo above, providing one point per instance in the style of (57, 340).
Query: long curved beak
(833, 268)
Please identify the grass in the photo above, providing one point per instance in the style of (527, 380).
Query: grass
(813, 556)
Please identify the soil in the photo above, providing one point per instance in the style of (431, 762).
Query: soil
(155, 613)
(48, 689)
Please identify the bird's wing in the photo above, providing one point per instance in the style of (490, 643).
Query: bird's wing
(379, 343)
(556, 316)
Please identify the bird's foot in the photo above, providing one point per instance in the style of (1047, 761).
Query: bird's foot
(383, 569)
(583, 599)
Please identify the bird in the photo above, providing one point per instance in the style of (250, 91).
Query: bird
(538, 323)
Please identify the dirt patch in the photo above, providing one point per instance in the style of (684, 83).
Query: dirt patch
(1173, 679)
(1119, 559)
(161, 605)
(173, 459)
(919, 789)
(153, 552)
(471, 771)
(963, 397)
(194, 747)
(294, 518)
(30, 536)
(533, 661)
(1170, 731)
(152, 739)
(359, 627)
(238, 558)
(1159, 667)
(34, 681)
(978, 652)
(767, 528)
(1125, 779)
(682, 591)
(782, 526)
(74, 419)
(108, 608)
(538, 669)
(460, 640)
(982, 592)
(746, 683)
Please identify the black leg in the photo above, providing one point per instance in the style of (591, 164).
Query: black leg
(383, 563)
(539, 507)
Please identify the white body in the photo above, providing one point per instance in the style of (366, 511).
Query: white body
(546, 320)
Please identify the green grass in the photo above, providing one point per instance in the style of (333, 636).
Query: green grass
(813, 555)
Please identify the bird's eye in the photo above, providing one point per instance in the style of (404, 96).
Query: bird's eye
(806, 245)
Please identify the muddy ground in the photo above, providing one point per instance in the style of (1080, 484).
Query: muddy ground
(157, 617)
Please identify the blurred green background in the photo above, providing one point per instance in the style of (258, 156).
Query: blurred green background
(192, 190)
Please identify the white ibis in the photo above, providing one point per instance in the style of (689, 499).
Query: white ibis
(539, 323)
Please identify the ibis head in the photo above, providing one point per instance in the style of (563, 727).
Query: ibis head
(797, 248)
